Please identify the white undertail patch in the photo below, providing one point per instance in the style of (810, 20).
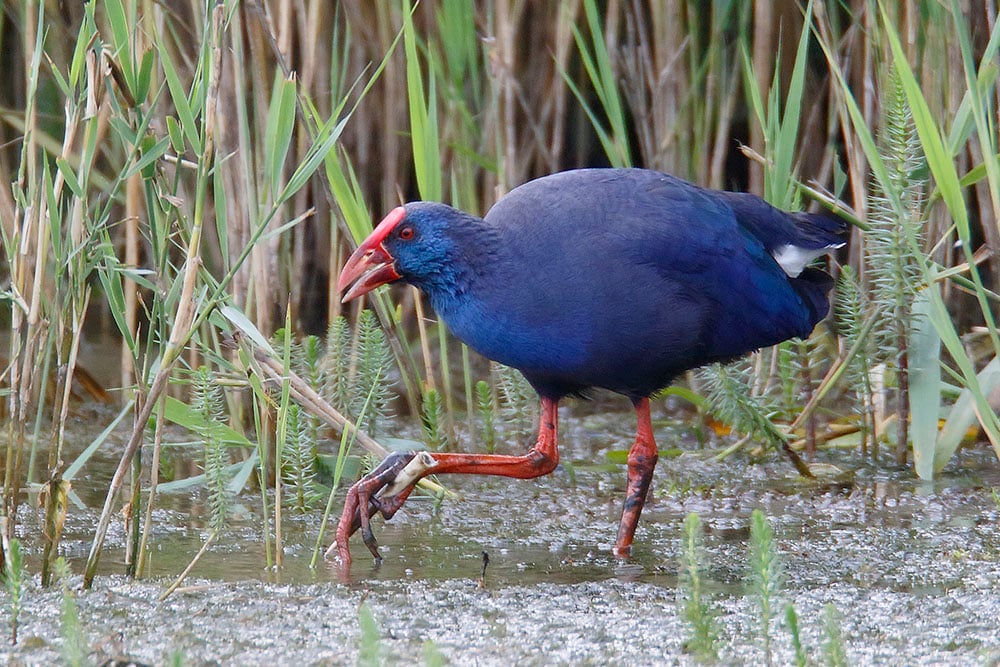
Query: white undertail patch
(792, 258)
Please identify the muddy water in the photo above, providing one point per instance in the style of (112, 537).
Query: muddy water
(912, 568)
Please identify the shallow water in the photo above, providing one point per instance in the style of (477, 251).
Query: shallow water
(912, 568)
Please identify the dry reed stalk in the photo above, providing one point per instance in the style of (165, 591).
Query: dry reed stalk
(425, 345)
(503, 65)
(154, 478)
(133, 211)
(763, 68)
(27, 223)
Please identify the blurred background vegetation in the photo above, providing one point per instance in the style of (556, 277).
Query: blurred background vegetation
(180, 171)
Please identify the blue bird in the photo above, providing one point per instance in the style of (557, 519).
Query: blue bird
(614, 278)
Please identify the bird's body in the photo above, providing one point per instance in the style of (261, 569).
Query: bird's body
(619, 279)
(613, 278)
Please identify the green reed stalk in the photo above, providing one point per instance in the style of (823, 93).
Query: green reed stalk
(597, 63)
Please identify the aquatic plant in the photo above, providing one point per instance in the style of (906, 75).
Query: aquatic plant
(13, 579)
(518, 403)
(370, 652)
(485, 408)
(767, 575)
(207, 402)
(355, 363)
(432, 418)
(792, 623)
(74, 647)
(695, 608)
(851, 310)
(299, 463)
(307, 357)
(373, 363)
(834, 651)
(731, 399)
(892, 245)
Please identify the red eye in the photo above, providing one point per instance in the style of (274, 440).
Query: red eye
(406, 233)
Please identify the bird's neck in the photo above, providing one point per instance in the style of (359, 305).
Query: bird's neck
(475, 249)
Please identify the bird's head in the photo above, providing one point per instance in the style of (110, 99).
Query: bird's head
(413, 243)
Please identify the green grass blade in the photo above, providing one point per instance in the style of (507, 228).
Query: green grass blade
(423, 116)
(278, 132)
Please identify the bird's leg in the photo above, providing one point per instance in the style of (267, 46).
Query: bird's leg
(386, 488)
(641, 461)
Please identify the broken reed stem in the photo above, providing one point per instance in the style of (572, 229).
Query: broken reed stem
(194, 561)
(307, 397)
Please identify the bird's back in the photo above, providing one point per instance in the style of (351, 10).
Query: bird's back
(623, 278)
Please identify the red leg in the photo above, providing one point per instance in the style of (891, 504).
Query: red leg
(362, 503)
(641, 461)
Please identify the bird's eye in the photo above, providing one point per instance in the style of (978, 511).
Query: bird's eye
(406, 233)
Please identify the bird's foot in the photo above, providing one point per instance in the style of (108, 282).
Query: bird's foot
(383, 490)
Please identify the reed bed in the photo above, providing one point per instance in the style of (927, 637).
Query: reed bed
(187, 178)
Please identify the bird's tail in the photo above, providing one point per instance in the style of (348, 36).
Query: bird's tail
(813, 285)
(820, 230)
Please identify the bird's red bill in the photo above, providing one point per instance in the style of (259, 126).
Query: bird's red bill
(371, 264)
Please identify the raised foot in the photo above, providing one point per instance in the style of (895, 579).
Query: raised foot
(383, 490)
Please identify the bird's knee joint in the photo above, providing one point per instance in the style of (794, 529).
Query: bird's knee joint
(642, 461)
(542, 463)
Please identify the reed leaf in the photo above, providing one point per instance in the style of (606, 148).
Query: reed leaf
(924, 369)
(424, 136)
(946, 177)
(597, 64)
(962, 415)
